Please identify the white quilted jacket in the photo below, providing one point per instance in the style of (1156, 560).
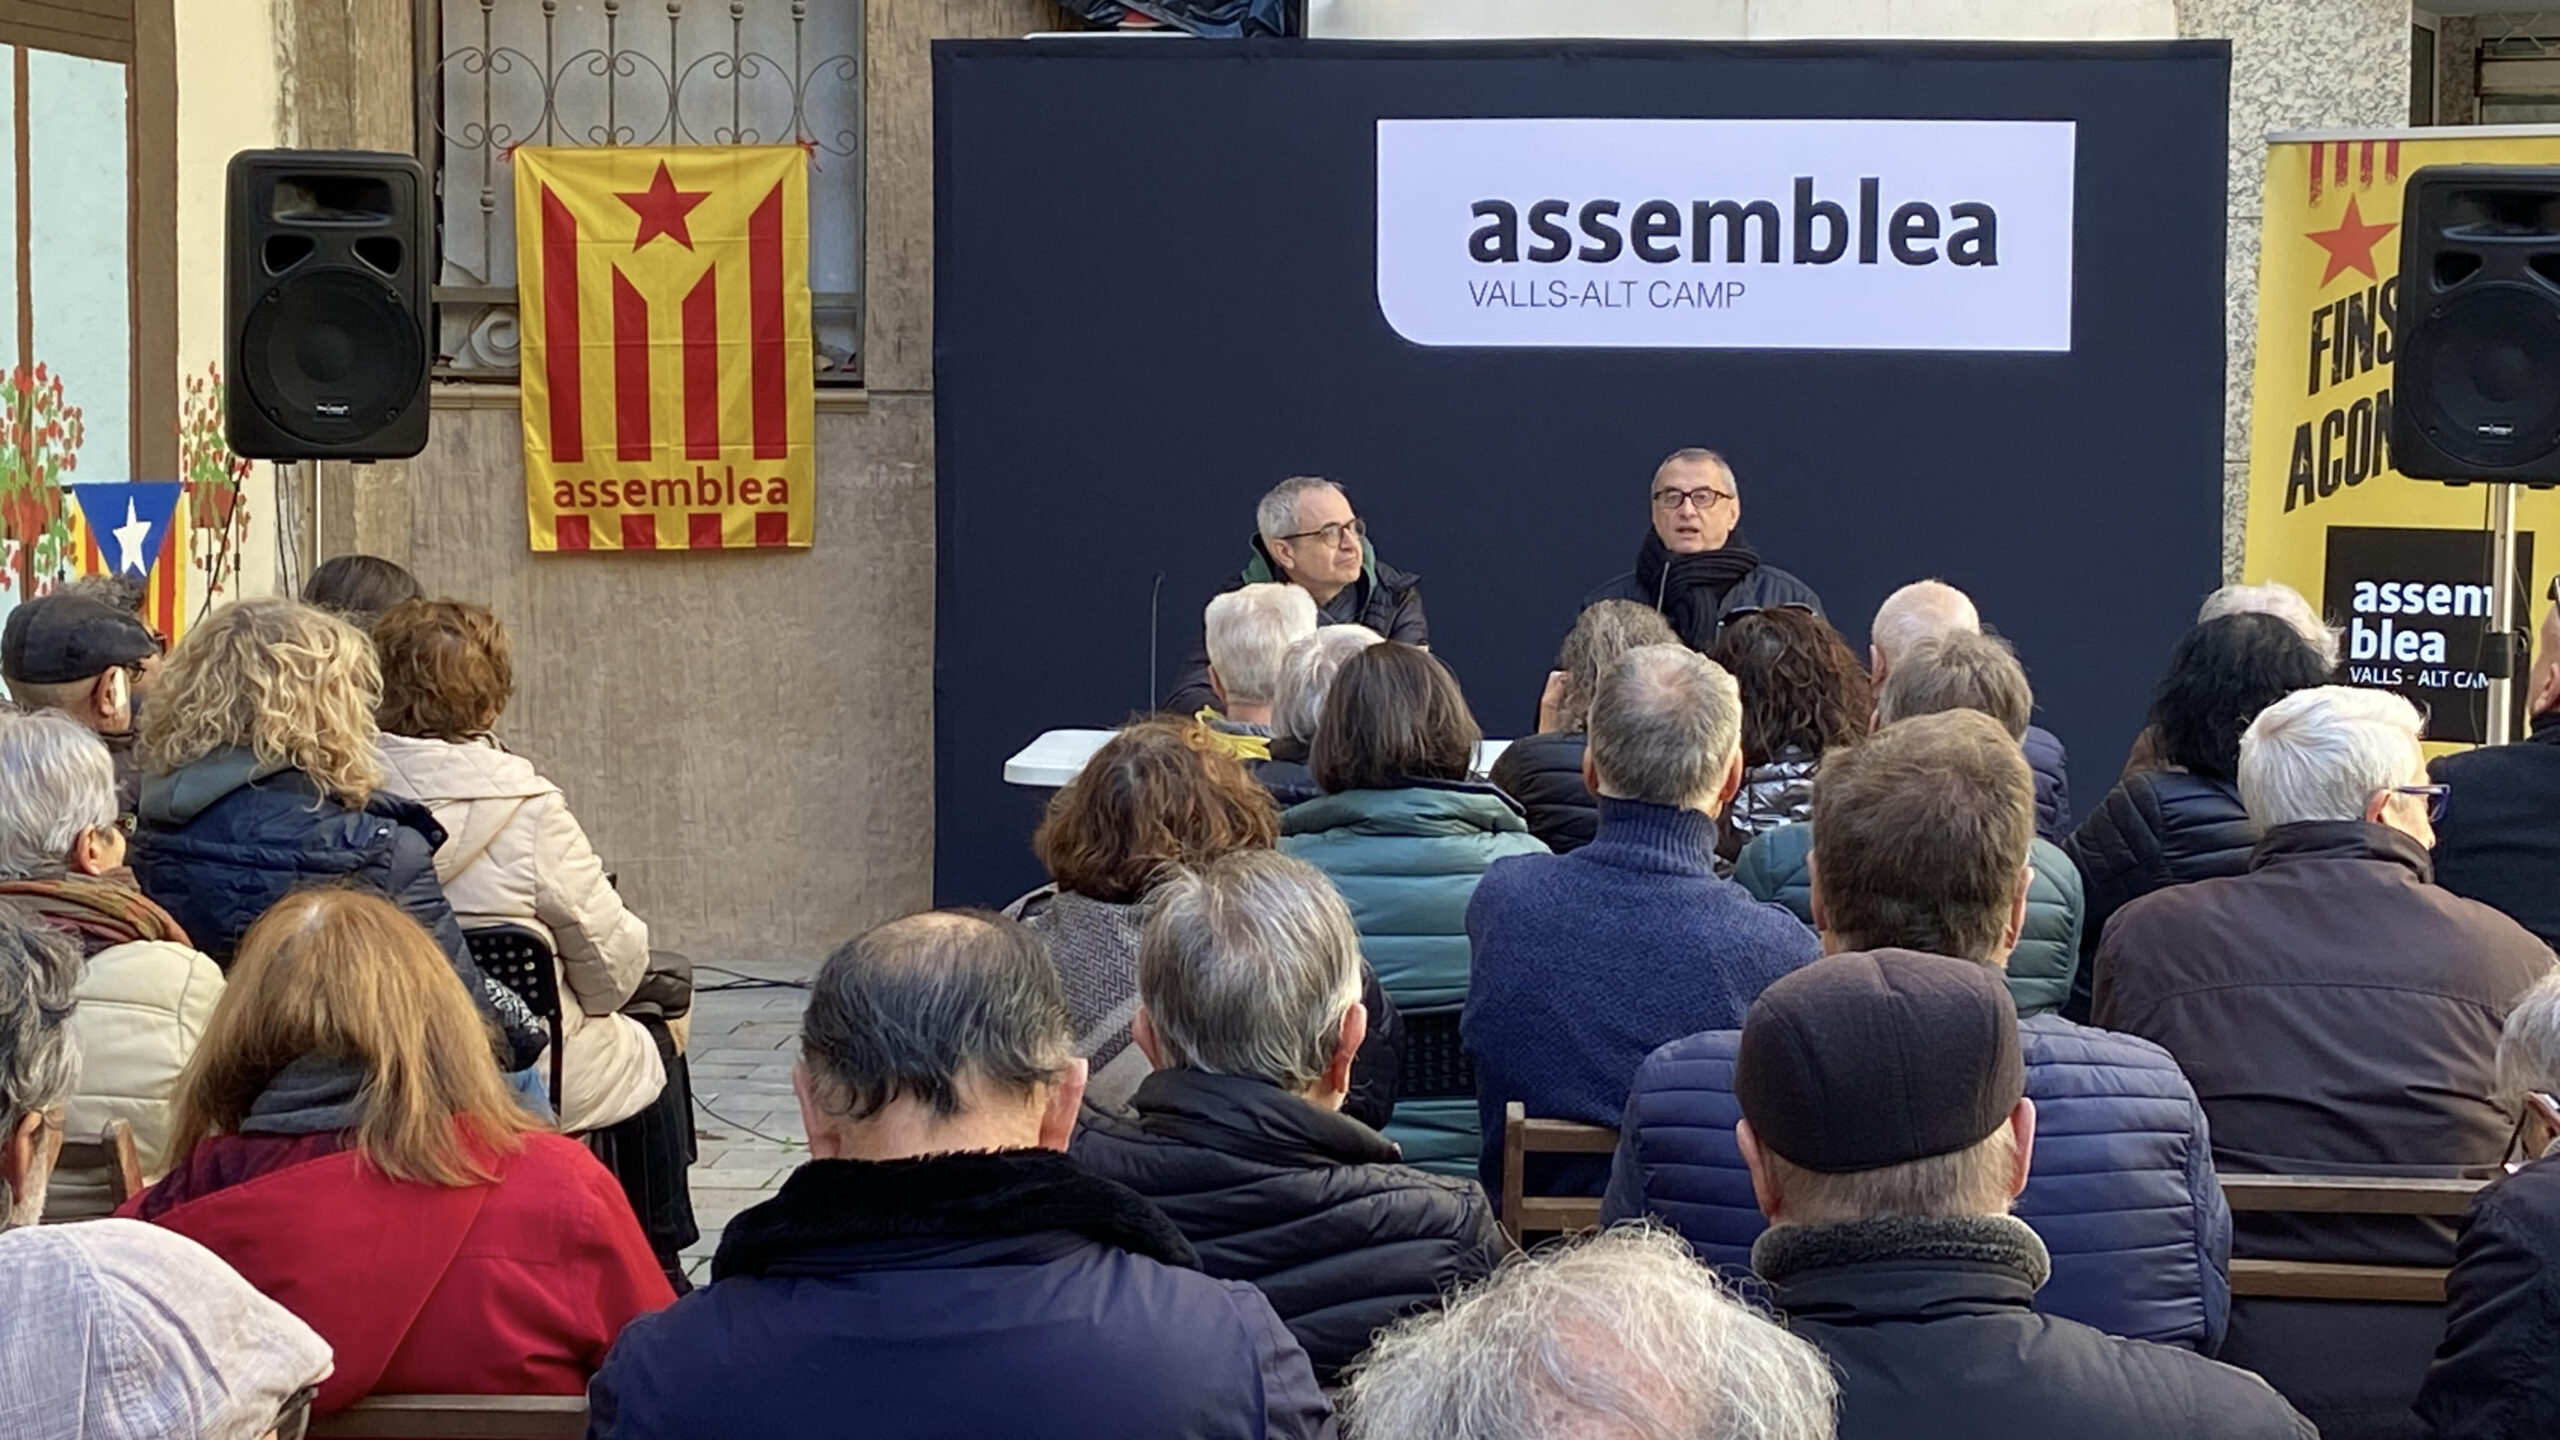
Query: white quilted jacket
(514, 854)
(142, 1007)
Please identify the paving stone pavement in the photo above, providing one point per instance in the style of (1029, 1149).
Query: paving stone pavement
(741, 1053)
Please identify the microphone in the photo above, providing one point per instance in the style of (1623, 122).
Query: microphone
(1155, 597)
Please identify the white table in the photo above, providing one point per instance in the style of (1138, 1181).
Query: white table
(1058, 756)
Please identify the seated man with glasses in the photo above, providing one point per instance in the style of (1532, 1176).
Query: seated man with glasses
(2338, 1013)
(88, 660)
(1695, 566)
(1309, 537)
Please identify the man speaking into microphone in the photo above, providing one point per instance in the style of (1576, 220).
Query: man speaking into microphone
(1695, 566)
(1308, 535)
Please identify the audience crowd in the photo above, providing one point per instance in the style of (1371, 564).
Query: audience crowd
(1909, 1102)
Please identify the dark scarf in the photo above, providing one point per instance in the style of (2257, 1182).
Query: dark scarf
(989, 1195)
(2002, 1242)
(99, 911)
(1689, 590)
(315, 1095)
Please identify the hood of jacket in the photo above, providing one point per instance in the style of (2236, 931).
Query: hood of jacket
(184, 793)
(1431, 809)
(474, 788)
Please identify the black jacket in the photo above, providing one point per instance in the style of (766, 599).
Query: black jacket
(1765, 588)
(1928, 1323)
(224, 839)
(2497, 1375)
(1306, 1204)
(1544, 773)
(2499, 840)
(2155, 829)
(1384, 598)
(2052, 767)
(998, 1294)
(1286, 774)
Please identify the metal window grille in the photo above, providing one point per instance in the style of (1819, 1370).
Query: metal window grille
(504, 73)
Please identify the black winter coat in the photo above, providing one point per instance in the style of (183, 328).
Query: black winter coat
(1544, 773)
(2497, 1375)
(1308, 1205)
(221, 841)
(2052, 767)
(2156, 829)
(1384, 598)
(1928, 1323)
(2499, 840)
(1286, 774)
(1766, 588)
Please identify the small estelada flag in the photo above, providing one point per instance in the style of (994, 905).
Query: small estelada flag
(669, 389)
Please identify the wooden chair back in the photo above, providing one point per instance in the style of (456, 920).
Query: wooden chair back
(113, 1153)
(1523, 1137)
(2343, 1195)
(458, 1417)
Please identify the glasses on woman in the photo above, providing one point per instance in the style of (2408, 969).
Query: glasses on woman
(1330, 536)
(2434, 795)
(1705, 497)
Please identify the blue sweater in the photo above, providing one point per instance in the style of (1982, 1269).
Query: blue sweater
(1584, 963)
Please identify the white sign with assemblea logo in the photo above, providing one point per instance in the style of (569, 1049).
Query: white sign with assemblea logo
(1727, 234)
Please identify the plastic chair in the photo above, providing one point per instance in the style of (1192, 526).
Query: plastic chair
(520, 959)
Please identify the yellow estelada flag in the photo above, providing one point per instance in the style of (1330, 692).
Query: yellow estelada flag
(669, 387)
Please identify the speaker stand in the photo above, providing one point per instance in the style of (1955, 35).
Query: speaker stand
(2504, 639)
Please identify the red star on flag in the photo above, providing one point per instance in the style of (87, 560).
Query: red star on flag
(2350, 246)
(662, 209)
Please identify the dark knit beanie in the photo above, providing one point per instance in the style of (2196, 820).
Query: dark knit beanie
(1880, 1058)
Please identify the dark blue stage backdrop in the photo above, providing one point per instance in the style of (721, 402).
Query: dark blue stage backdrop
(1156, 294)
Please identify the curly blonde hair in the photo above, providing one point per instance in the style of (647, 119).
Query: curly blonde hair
(279, 679)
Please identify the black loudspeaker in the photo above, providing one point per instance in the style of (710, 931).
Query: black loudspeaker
(326, 316)
(2475, 392)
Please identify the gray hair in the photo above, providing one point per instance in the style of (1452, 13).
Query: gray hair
(1921, 611)
(1246, 966)
(2529, 1047)
(39, 1056)
(1959, 671)
(57, 783)
(1249, 630)
(1605, 630)
(921, 1006)
(2322, 753)
(1972, 1181)
(1624, 1334)
(1697, 455)
(1276, 516)
(2283, 602)
(1665, 723)
(1306, 675)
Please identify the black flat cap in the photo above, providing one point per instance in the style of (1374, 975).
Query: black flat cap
(56, 639)
(1879, 1058)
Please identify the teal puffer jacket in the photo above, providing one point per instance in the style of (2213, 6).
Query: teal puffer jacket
(1775, 867)
(1407, 862)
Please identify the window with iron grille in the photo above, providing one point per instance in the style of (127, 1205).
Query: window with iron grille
(504, 73)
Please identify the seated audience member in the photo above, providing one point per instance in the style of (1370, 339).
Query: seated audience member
(1802, 694)
(1544, 771)
(1404, 833)
(2339, 1014)
(261, 776)
(359, 588)
(513, 854)
(2499, 840)
(1309, 537)
(1617, 1336)
(939, 1267)
(1248, 631)
(86, 660)
(1927, 610)
(2496, 1375)
(2273, 598)
(1586, 962)
(145, 994)
(1694, 565)
(1966, 670)
(113, 1330)
(1250, 975)
(1920, 844)
(1887, 1129)
(1306, 676)
(342, 1096)
(2182, 820)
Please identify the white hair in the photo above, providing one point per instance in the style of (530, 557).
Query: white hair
(1306, 675)
(1246, 967)
(2283, 602)
(1277, 515)
(1921, 611)
(1624, 1335)
(2322, 753)
(1249, 630)
(2529, 1048)
(57, 783)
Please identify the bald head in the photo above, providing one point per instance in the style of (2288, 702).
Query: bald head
(1919, 612)
(2542, 697)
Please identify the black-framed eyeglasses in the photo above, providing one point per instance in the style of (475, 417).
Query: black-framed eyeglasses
(1330, 536)
(2435, 796)
(1705, 497)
